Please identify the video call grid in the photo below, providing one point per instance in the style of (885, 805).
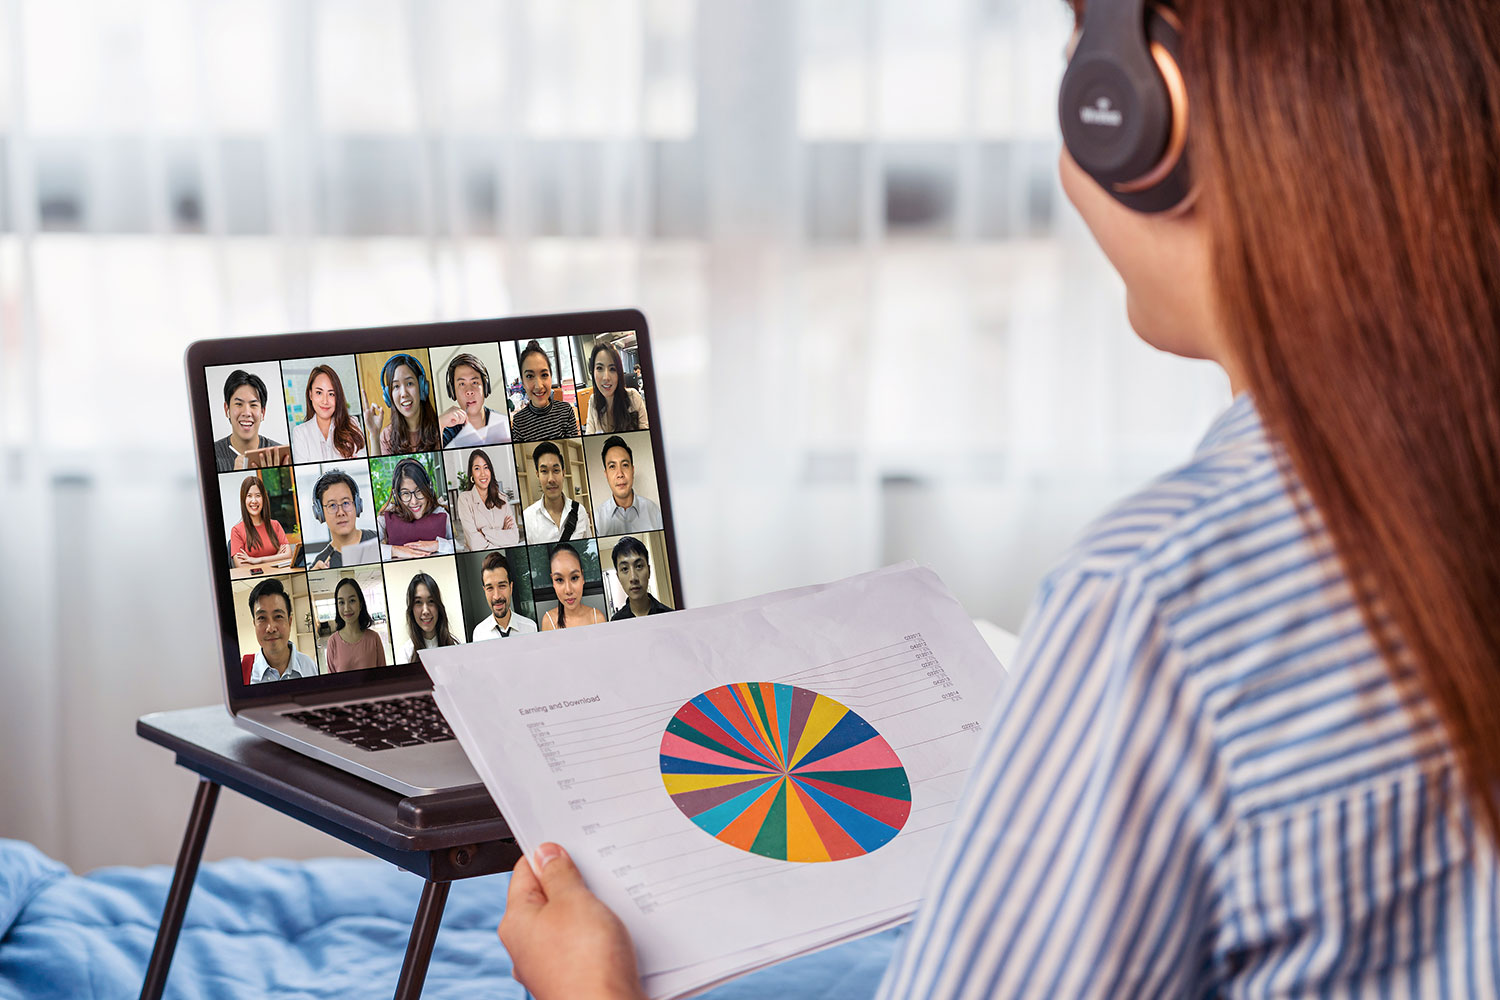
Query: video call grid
(525, 556)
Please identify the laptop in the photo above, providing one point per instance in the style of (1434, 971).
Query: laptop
(368, 494)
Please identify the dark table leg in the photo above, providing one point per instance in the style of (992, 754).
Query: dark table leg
(419, 946)
(182, 886)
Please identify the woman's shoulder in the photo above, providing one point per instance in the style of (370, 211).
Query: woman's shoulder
(1232, 483)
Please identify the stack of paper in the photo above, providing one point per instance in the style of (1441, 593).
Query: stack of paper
(744, 783)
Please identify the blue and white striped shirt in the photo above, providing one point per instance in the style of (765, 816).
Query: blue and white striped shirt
(1203, 780)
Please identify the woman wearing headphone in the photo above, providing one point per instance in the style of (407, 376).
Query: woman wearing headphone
(1252, 742)
(414, 422)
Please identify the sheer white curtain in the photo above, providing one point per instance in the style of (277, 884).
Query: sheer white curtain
(881, 331)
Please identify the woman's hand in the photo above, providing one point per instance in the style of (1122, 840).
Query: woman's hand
(374, 421)
(564, 944)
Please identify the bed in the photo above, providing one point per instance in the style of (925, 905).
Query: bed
(307, 929)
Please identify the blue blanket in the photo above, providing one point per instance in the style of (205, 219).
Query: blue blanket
(312, 929)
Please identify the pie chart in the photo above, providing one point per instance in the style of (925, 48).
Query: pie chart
(784, 772)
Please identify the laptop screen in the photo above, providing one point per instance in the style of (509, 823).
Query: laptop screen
(376, 503)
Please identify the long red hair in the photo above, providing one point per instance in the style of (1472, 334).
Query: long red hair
(1348, 153)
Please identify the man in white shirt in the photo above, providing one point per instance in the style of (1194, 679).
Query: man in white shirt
(553, 518)
(277, 659)
(471, 423)
(624, 511)
(504, 622)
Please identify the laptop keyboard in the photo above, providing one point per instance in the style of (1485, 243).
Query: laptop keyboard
(406, 721)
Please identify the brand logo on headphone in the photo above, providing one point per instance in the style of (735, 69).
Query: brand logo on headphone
(1101, 114)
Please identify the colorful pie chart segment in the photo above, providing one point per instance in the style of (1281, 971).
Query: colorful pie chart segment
(784, 772)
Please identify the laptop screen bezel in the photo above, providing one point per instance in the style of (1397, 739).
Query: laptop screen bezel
(204, 354)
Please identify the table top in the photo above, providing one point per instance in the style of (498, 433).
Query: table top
(357, 811)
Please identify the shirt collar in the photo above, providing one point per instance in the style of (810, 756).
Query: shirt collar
(262, 666)
(1240, 422)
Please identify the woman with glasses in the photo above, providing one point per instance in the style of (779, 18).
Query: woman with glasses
(415, 525)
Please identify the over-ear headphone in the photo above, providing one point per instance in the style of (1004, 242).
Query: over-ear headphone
(326, 480)
(1123, 104)
(395, 361)
(474, 363)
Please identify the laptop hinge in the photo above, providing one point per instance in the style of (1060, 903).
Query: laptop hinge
(362, 692)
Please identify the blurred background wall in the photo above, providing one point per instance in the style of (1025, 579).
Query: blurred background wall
(882, 333)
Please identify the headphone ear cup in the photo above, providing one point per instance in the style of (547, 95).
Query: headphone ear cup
(1124, 112)
(1170, 185)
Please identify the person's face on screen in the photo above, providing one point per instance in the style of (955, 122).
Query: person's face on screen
(411, 497)
(479, 471)
(272, 623)
(347, 602)
(424, 609)
(620, 472)
(405, 392)
(635, 575)
(324, 399)
(497, 592)
(253, 501)
(469, 385)
(536, 378)
(606, 374)
(245, 414)
(567, 579)
(550, 473)
(338, 509)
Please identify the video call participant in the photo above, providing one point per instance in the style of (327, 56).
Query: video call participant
(499, 584)
(336, 503)
(256, 539)
(414, 424)
(542, 417)
(484, 513)
(633, 567)
(568, 583)
(624, 511)
(426, 618)
(354, 646)
(278, 659)
(555, 517)
(471, 422)
(413, 521)
(614, 405)
(329, 432)
(245, 406)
